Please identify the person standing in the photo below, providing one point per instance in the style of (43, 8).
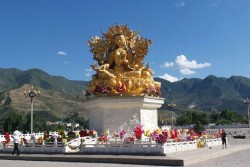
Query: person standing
(16, 139)
(224, 139)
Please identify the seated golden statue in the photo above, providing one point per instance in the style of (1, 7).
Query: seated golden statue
(120, 68)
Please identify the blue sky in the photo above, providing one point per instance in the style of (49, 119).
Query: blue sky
(191, 38)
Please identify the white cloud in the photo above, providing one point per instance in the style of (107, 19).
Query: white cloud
(180, 4)
(88, 74)
(65, 62)
(182, 62)
(185, 66)
(186, 71)
(61, 53)
(89, 70)
(169, 78)
(168, 64)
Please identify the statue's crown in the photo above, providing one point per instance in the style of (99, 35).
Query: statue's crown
(118, 29)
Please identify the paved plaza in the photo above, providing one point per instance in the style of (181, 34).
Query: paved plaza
(238, 159)
(236, 155)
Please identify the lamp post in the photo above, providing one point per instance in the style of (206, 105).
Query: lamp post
(247, 101)
(172, 105)
(32, 93)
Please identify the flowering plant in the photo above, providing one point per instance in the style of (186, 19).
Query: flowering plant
(190, 138)
(104, 89)
(129, 139)
(102, 138)
(161, 139)
(101, 90)
(151, 91)
(121, 88)
(61, 133)
(39, 140)
(115, 134)
(122, 133)
(71, 135)
(50, 138)
(160, 136)
(174, 134)
(92, 132)
(7, 138)
(148, 133)
(138, 130)
(84, 132)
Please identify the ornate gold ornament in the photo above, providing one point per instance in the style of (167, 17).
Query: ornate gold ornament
(119, 56)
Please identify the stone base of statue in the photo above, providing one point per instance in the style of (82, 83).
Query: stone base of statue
(110, 113)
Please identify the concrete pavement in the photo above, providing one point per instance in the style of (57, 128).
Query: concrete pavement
(173, 159)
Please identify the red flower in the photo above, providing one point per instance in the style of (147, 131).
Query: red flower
(83, 133)
(138, 130)
(7, 138)
(121, 88)
(129, 139)
(102, 138)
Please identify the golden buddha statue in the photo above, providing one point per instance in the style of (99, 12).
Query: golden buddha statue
(119, 67)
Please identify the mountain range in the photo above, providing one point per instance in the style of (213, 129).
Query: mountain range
(60, 96)
(209, 94)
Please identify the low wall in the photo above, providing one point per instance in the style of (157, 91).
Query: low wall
(141, 148)
(179, 146)
(50, 147)
(145, 148)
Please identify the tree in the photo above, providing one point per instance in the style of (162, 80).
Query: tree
(227, 115)
(214, 117)
(198, 128)
(200, 117)
(15, 119)
(196, 117)
(183, 120)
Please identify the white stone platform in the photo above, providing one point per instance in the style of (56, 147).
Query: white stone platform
(109, 113)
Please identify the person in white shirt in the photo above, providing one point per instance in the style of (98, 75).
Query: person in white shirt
(16, 139)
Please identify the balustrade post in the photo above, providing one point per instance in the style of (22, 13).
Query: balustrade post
(4, 147)
(55, 141)
(150, 140)
(78, 140)
(82, 141)
(33, 140)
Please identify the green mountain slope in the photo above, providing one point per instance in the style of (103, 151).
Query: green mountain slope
(211, 93)
(60, 95)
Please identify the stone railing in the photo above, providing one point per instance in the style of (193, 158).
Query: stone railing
(91, 146)
(213, 142)
(179, 146)
(45, 147)
(144, 147)
(122, 148)
(50, 147)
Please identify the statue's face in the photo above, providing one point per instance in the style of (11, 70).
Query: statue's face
(120, 40)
